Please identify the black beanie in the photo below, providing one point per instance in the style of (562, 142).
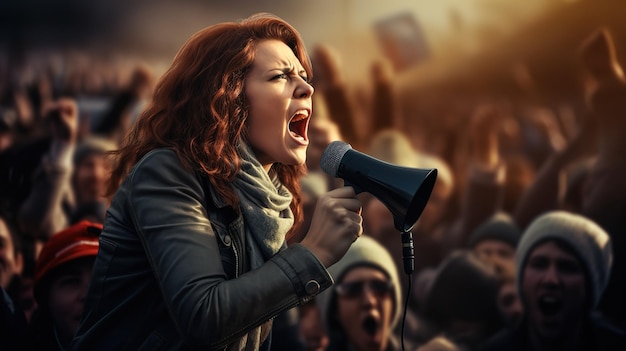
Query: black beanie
(500, 226)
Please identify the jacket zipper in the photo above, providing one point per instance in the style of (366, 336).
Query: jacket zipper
(236, 260)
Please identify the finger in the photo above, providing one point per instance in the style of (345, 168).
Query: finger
(351, 226)
(350, 204)
(342, 216)
(343, 192)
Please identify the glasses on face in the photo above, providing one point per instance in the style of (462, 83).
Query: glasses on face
(379, 288)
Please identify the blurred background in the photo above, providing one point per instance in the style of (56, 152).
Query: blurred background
(442, 57)
(454, 42)
(461, 49)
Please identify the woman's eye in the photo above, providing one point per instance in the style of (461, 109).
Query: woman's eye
(280, 76)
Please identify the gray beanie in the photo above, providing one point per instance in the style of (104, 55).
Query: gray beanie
(365, 251)
(590, 243)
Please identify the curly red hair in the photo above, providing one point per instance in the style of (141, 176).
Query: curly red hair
(199, 107)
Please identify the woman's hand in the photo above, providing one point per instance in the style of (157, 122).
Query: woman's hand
(336, 224)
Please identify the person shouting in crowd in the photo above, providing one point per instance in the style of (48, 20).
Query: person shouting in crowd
(62, 273)
(563, 265)
(205, 197)
(364, 307)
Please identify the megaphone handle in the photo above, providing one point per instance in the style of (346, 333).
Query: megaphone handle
(408, 254)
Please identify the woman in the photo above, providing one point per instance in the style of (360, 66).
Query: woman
(193, 252)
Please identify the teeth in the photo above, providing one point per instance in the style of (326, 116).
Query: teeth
(300, 115)
(298, 118)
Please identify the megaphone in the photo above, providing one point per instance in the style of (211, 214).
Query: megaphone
(403, 190)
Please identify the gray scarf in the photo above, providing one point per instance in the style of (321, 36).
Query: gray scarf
(265, 207)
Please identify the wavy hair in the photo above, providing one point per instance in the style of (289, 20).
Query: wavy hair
(199, 107)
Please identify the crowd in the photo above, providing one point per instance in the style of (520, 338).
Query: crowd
(518, 248)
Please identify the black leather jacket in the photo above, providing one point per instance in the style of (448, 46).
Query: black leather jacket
(171, 273)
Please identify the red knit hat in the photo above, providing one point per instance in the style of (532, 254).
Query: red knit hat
(79, 240)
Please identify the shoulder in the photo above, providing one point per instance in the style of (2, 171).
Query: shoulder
(159, 174)
(159, 163)
(158, 155)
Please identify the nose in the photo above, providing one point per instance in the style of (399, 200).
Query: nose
(368, 297)
(304, 89)
(551, 276)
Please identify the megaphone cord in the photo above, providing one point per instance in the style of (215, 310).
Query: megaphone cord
(406, 306)
(408, 256)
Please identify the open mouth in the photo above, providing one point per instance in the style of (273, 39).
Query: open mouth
(550, 305)
(370, 325)
(298, 125)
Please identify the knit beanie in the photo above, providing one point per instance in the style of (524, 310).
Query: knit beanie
(590, 243)
(500, 226)
(365, 251)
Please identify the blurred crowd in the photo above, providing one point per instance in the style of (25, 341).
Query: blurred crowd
(519, 245)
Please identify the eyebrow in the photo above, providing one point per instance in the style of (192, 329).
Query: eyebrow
(289, 69)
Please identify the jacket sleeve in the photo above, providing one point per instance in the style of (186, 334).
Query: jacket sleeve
(168, 210)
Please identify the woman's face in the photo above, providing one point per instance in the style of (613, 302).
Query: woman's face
(280, 105)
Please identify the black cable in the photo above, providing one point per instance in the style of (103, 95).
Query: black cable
(406, 306)
(408, 256)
